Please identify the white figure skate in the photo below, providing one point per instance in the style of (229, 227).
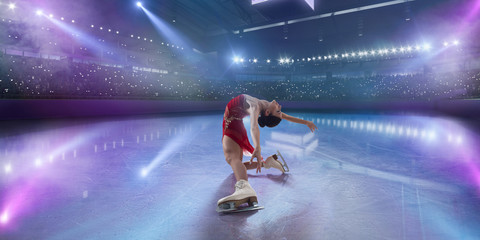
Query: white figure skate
(273, 161)
(244, 193)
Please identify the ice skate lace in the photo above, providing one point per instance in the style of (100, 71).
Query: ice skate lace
(239, 185)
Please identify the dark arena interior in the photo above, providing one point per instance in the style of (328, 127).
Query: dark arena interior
(111, 119)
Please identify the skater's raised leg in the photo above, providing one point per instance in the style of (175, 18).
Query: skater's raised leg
(270, 162)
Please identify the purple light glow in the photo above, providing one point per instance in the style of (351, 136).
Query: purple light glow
(4, 217)
(18, 202)
(474, 169)
(473, 11)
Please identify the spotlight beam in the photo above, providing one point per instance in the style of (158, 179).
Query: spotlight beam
(83, 38)
(164, 154)
(164, 29)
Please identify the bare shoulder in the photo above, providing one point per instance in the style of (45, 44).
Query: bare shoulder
(250, 101)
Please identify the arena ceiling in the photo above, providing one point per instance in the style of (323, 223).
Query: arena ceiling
(269, 25)
(291, 22)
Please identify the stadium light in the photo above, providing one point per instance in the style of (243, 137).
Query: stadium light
(445, 44)
(268, 60)
(11, 6)
(456, 43)
(255, 60)
(39, 12)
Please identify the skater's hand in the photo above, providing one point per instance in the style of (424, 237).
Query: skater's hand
(312, 126)
(257, 154)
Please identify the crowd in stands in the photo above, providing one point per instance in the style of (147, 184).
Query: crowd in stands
(29, 77)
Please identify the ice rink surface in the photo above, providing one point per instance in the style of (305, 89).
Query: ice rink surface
(357, 177)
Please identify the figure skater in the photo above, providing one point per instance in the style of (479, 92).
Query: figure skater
(235, 141)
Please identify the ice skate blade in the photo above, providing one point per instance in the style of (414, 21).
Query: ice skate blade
(285, 166)
(255, 207)
(233, 204)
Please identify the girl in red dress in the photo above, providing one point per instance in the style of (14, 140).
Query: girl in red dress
(236, 144)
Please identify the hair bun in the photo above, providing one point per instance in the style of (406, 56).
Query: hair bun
(261, 121)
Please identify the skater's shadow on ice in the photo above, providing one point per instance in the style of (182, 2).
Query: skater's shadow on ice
(279, 179)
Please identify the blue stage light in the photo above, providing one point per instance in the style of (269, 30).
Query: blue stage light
(139, 4)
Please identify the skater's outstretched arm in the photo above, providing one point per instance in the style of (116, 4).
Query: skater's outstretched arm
(309, 124)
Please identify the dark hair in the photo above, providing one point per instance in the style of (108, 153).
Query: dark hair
(269, 121)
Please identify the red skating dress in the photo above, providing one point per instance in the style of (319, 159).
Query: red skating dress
(233, 124)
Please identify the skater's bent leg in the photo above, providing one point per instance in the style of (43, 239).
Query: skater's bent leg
(233, 155)
(239, 169)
